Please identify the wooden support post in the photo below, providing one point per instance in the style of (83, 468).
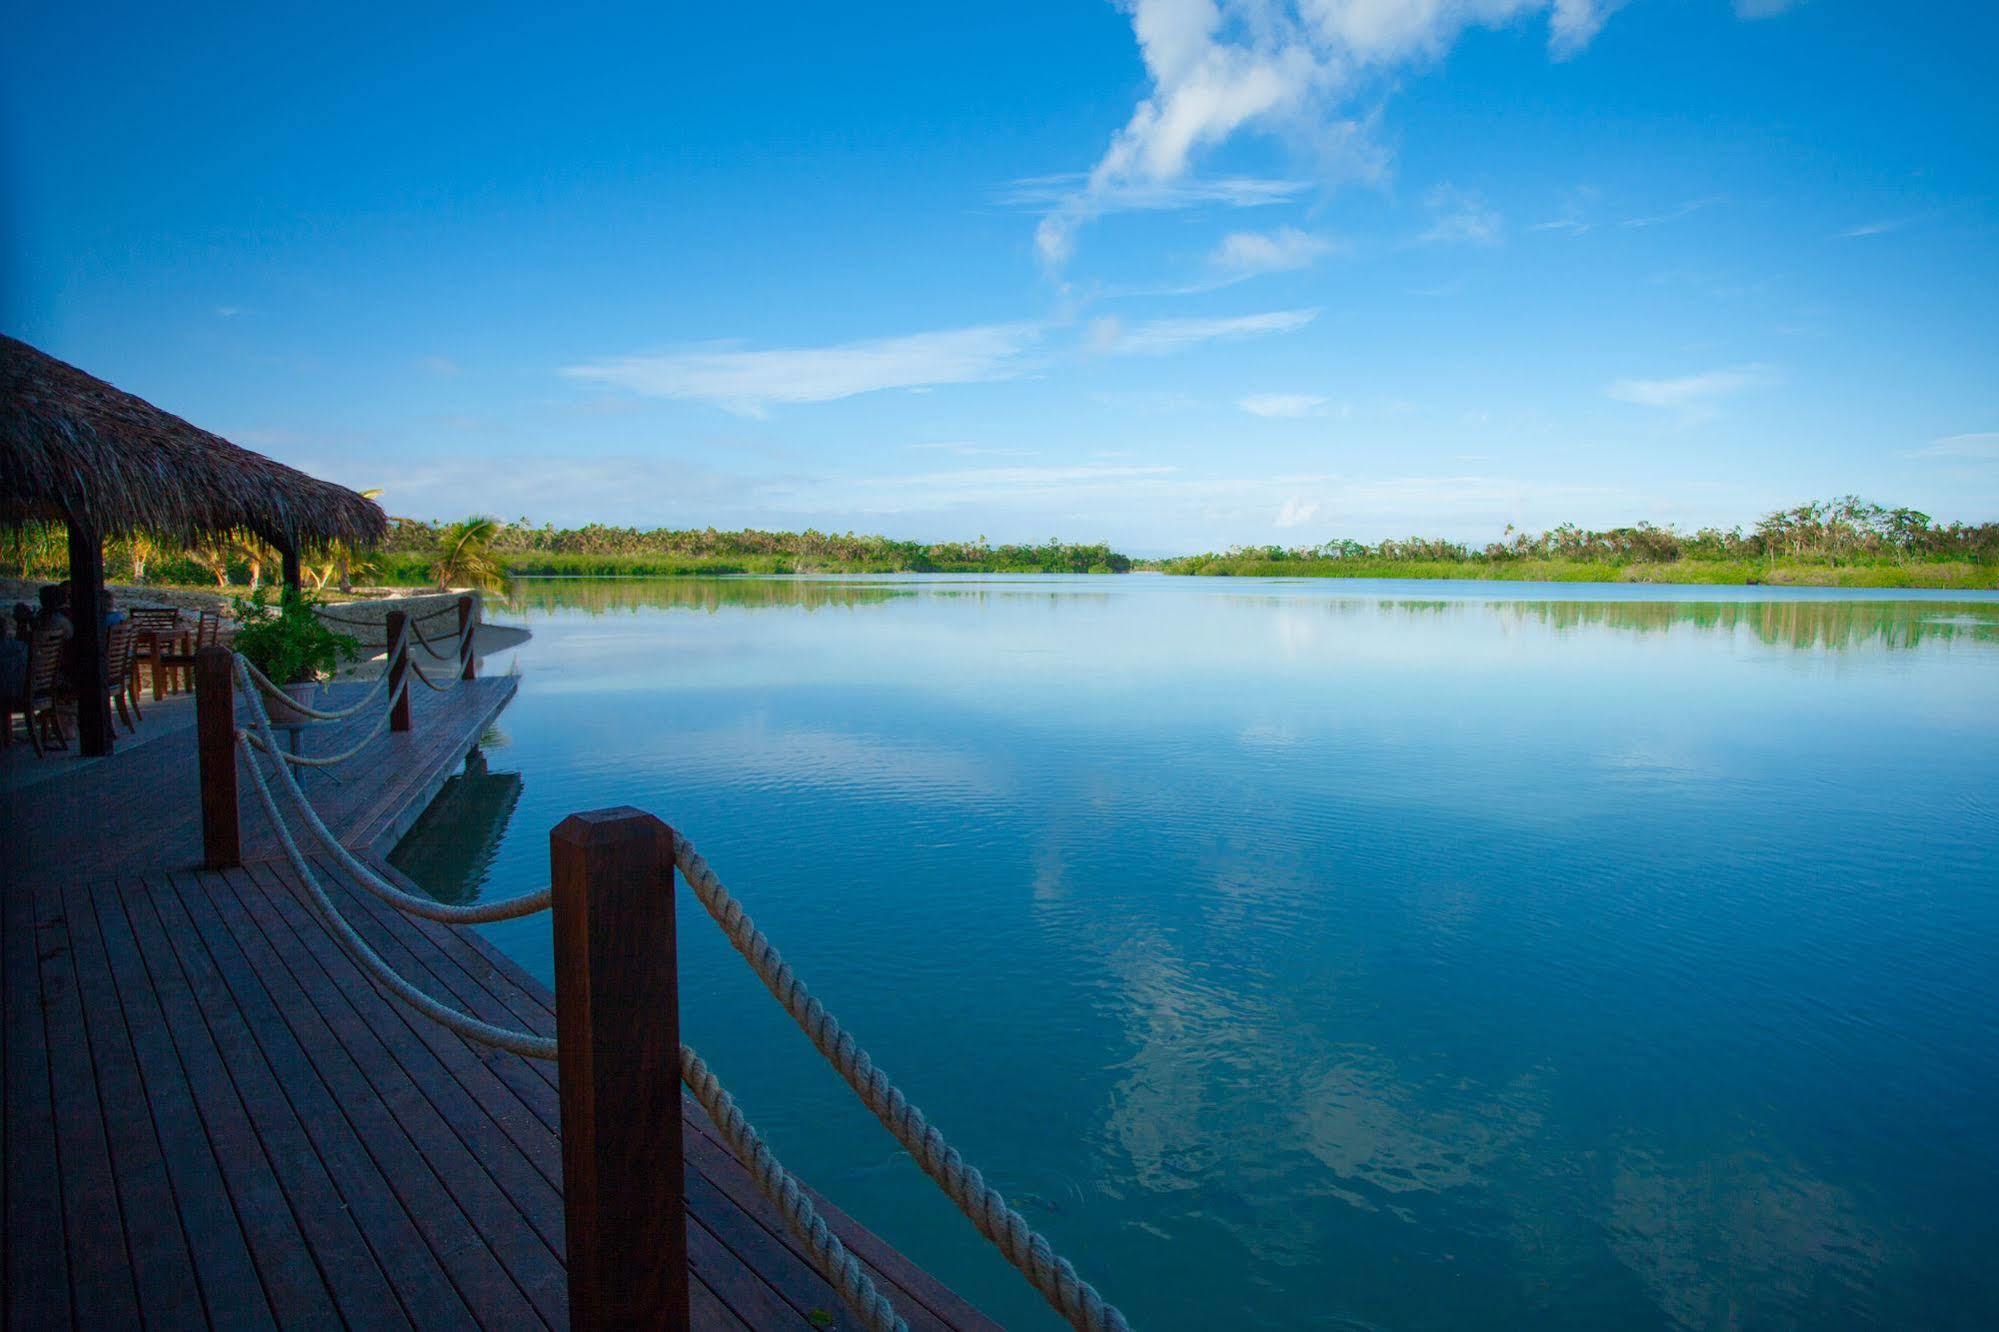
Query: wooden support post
(617, 1013)
(215, 743)
(292, 575)
(86, 616)
(468, 668)
(398, 668)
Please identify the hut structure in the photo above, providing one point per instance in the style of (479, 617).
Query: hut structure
(75, 450)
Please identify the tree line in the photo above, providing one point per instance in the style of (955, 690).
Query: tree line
(1847, 530)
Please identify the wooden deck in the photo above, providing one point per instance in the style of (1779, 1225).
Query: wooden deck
(212, 1118)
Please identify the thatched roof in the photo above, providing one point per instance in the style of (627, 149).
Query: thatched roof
(73, 448)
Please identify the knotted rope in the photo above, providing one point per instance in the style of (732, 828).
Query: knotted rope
(838, 1266)
(477, 914)
(264, 683)
(328, 760)
(431, 684)
(985, 1207)
(427, 647)
(464, 1024)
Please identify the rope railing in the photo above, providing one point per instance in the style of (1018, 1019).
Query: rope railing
(840, 1268)
(523, 1043)
(265, 684)
(330, 760)
(984, 1206)
(1030, 1252)
(431, 684)
(480, 913)
(428, 646)
(326, 614)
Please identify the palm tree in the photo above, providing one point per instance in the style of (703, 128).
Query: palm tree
(465, 556)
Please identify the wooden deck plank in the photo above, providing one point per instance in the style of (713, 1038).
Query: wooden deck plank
(426, 1293)
(290, 1279)
(93, 1223)
(504, 1085)
(162, 1268)
(354, 1031)
(228, 996)
(37, 1275)
(227, 1278)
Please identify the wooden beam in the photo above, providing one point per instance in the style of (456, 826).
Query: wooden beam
(215, 747)
(398, 668)
(292, 574)
(468, 667)
(617, 1018)
(86, 614)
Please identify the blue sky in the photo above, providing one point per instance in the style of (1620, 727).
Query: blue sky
(1175, 275)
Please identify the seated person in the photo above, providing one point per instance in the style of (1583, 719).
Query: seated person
(54, 612)
(13, 673)
(112, 615)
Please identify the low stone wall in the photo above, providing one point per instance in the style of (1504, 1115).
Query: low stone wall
(373, 613)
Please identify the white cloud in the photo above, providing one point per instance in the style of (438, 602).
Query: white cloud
(228, 311)
(1251, 252)
(975, 451)
(1216, 67)
(1461, 217)
(748, 381)
(1281, 404)
(1295, 512)
(1693, 396)
(1878, 228)
(1156, 196)
(1160, 336)
(1979, 447)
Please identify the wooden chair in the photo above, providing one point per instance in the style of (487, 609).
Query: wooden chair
(154, 631)
(120, 669)
(179, 659)
(43, 709)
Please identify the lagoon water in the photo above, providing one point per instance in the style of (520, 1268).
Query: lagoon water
(1328, 954)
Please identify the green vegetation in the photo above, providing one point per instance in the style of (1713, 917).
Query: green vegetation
(1846, 542)
(1838, 543)
(465, 556)
(288, 642)
(598, 551)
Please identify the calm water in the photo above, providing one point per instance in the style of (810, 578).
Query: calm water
(1328, 954)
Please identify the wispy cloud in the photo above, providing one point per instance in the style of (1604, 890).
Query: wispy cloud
(228, 311)
(1693, 396)
(747, 382)
(1880, 227)
(1687, 209)
(1160, 336)
(1295, 512)
(1156, 196)
(1288, 405)
(1982, 446)
(1577, 219)
(974, 451)
(1217, 67)
(1762, 9)
(1461, 217)
(1247, 253)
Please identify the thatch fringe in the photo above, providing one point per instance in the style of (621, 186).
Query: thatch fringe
(73, 449)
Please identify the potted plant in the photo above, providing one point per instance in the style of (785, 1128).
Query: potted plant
(290, 644)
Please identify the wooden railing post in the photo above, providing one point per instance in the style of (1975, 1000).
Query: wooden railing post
(467, 668)
(617, 1014)
(215, 744)
(398, 668)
